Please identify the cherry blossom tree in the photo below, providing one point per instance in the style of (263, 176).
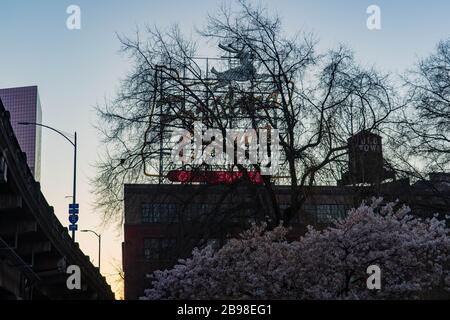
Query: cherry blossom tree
(413, 255)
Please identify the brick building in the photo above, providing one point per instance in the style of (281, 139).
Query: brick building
(163, 222)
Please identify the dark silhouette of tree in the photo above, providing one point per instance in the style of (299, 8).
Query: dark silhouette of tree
(315, 100)
(427, 122)
(420, 139)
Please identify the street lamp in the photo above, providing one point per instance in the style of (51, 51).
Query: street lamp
(99, 236)
(74, 144)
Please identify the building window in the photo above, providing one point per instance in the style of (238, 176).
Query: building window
(198, 210)
(159, 213)
(327, 213)
(158, 248)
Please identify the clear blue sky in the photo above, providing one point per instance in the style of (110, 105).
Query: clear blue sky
(77, 69)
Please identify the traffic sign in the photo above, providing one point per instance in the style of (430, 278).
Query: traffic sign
(73, 216)
(73, 219)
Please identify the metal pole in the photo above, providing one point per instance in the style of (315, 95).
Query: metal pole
(74, 196)
(74, 144)
(99, 250)
(161, 132)
(99, 236)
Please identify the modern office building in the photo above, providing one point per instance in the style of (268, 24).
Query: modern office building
(24, 105)
(165, 222)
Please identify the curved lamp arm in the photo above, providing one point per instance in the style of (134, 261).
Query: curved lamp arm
(53, 129)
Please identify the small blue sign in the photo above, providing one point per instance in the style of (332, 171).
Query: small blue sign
(73, 211)
(73, 219)
(73, 227)
(74, 206)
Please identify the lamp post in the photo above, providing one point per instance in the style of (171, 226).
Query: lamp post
(99, 236)
(74, 144)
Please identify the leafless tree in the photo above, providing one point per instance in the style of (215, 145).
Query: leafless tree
(315, 100)
(420, 139)
(117, 278)
(427, 122)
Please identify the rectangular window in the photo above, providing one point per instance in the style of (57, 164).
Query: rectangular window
(159, 213)
(327, 213)
(151, 249)
(198, 210)
(158, 248)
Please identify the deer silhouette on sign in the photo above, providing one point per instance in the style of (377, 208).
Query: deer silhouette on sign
(244, 72)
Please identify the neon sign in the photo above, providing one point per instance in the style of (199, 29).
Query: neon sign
(213, 177)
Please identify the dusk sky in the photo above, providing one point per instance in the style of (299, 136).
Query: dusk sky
(77, 69)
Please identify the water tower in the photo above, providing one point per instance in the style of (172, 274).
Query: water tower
(365, 163)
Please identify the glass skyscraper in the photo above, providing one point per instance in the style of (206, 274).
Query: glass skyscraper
(24, 106)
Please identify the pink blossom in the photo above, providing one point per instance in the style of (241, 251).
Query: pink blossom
(413, 255)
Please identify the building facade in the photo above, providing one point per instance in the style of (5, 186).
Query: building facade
(164, 222)
(24, 105)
